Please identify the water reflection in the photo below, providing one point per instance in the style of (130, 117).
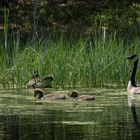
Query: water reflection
(135, 124)
(105, 119)
(12, 127)
(133, 104)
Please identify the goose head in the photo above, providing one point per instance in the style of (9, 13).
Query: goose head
(38, 93)
(73, 94)
(133, 58)
(35, 74)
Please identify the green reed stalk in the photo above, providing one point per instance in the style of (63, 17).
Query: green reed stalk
(73, 63)
(6, 17)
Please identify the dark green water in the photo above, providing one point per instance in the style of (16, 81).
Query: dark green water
(107, 118)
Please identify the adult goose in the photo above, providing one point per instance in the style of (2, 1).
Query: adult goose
(37, 82)
(132, 89)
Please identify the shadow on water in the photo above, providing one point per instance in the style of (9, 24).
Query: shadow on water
(106, 118)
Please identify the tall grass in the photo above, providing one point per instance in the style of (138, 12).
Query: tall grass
(73, 63)
(6, 18)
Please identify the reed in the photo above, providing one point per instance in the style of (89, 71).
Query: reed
(73, 63)
(6, 18)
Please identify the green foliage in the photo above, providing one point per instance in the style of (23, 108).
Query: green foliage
(97, 61)
(81, 16)
(84, 63)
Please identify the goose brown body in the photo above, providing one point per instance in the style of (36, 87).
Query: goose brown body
(40, 82)
(55, 96)
(75, 95)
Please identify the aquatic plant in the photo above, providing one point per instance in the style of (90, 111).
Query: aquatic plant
(73, 62)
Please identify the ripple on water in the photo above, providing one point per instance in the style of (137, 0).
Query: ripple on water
(108, 117)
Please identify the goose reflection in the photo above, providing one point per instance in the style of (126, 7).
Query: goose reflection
(135, 123)
(135, 132)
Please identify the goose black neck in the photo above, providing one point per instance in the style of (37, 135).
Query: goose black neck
(133, 75)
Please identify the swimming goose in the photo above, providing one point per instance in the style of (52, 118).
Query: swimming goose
(41, 94)
(45, 95)
(74, 95)
(55, 96)
(132, 89)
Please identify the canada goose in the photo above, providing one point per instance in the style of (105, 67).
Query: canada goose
(54, 96)
(74, 95)
(132, 89)
(40, 94)
(43, 95)
(38, 82)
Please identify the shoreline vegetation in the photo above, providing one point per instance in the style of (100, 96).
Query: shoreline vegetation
(86, 63)
(84, 46)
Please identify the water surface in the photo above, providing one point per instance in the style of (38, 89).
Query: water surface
(107, 118)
